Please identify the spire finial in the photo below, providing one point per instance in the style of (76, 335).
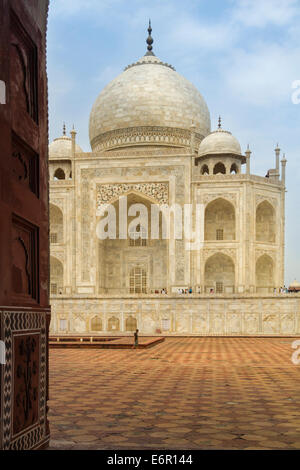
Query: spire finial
(149, 40)
(73, 130)
(220, 123)
(64, 128)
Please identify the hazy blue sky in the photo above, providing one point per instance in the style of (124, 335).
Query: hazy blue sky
(242, 55)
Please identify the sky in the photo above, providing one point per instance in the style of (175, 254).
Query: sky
(242, 55)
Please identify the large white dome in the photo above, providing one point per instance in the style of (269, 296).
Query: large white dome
(148, 104)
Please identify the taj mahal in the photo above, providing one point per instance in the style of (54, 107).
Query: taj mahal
(152, 144)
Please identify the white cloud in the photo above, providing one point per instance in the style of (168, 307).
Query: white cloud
(189, 33)
(259, 13)
(263, 76)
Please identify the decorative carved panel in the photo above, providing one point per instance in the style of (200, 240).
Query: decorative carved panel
(108, 192)
(26, 381)
(262, 197)
(144, 135)
(231, 197)
(207, 253)
(24, 407)
(271, 253)
(25, 164)
(24, 259)
(23, 68)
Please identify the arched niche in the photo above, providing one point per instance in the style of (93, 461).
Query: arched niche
(113, 324)
(264, 274)
(219, 274)
(234, 169)
(131, 323)
(219, 220)
(204, 170)
(59, 174)
(265, 223)
(219, 168)
(96, 324)
(56, 276)
(56, 224)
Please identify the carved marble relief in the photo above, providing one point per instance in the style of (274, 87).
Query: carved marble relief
(25, 164)
(263, 197)
(26, 381)
(231, 197)
(23, 69)
(24, 259)
(108, 192)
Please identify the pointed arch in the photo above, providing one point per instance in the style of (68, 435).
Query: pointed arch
(113, 324)
(264, 273)
(219, 274)
(265, 222)
(117, 257)
(204, 170)
(59, 174)
(96, 323)
(219, 220)
(56, 224)
(234, 169)
(219, 168)
(56, 276)
(131, 323)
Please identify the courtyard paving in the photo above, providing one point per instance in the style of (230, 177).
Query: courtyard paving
(185, 393)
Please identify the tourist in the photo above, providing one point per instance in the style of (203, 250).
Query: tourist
(136, 339)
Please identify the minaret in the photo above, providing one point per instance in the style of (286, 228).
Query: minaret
(248, 153)
(277, 153)
(73, 137)
(283, 165)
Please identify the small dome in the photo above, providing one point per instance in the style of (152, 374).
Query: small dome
(148, 103)
(219, 142)
(62, 147)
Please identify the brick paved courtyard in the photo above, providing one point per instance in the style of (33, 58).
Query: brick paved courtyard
(185, 393)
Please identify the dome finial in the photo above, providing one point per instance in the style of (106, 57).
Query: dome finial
(64, 128)
(149, 40)
(220, 123)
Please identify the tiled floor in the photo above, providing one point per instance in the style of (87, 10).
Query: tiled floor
(185, 393)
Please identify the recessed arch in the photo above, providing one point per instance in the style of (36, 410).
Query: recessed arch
(56, 276)
(116, 257)
(113, 324)
(265, 222)
(219, 274)
(234, 169)
(204, 170)
(56, 224)
(219, 220)
(131, 323)
(96, 323)
(219, 168)
(264, 272)
(59, 174)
